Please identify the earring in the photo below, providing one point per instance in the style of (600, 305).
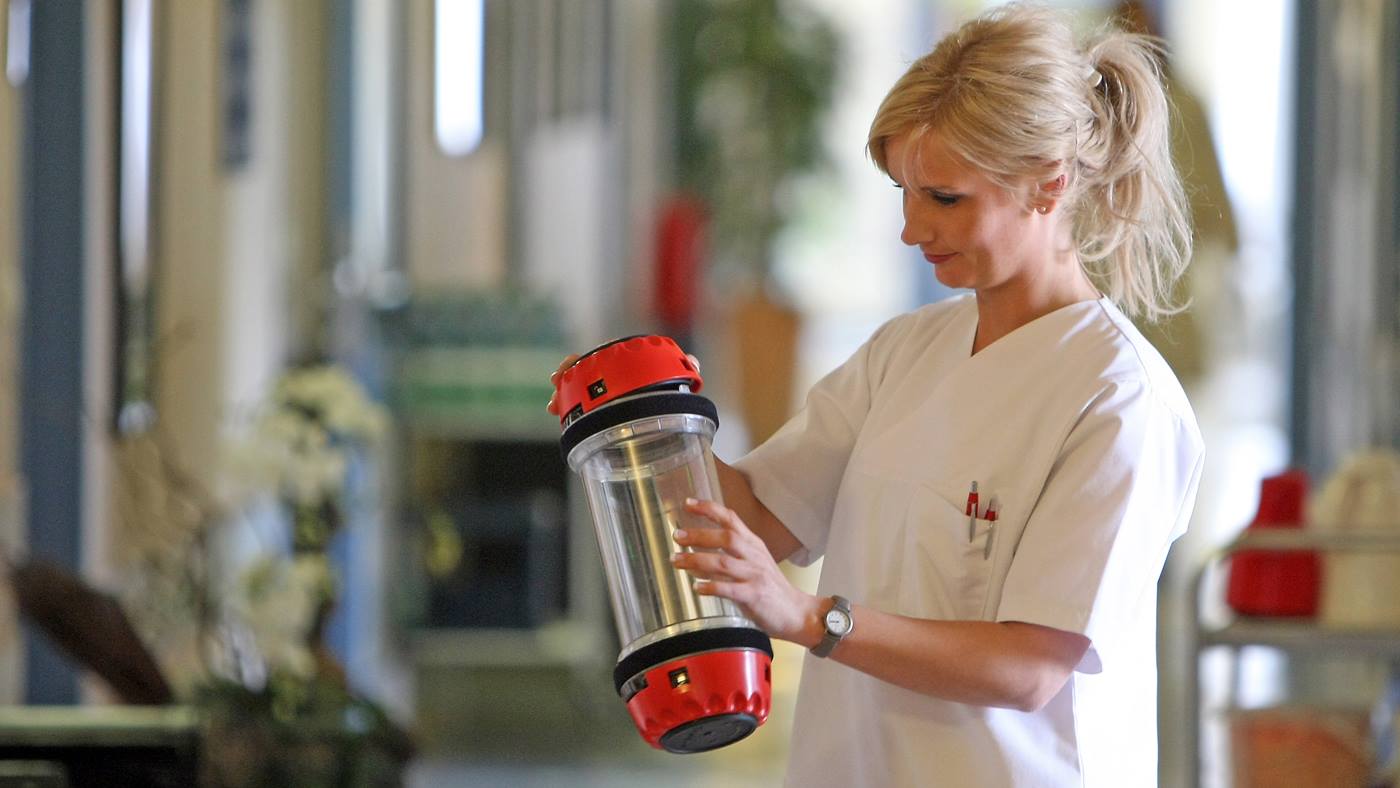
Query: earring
(1042, 209)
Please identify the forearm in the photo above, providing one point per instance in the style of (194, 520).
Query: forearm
(1003, 664)
(739, 496)
(1013, 665)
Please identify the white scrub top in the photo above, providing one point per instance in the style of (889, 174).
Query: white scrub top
(1083, 434)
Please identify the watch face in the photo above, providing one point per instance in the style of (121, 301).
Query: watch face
(837, 621)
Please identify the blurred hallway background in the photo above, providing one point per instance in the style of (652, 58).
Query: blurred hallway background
(440, 198)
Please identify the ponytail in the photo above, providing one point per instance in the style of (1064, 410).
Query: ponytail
(1132, 223)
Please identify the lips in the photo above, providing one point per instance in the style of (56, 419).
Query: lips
(938, 259)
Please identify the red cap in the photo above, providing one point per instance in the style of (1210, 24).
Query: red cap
(619, 368)
(1281, 500)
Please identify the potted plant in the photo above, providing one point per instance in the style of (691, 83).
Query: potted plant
(246, 643)
(753, 80)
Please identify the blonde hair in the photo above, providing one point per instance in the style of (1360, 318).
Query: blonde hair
(1014, 94)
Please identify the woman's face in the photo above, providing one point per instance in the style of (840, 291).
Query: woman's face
(976, 234)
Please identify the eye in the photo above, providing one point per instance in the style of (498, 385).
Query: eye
(942, 198)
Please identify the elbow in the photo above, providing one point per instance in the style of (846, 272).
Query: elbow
(1031, 702)
(1045, 668)
(1033, 695)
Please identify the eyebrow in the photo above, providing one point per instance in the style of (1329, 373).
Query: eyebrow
(918, 164)
(937, 187)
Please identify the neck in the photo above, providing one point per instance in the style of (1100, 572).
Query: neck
(1039, 291)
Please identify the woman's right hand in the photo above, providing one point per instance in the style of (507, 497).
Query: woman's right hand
(568, 361)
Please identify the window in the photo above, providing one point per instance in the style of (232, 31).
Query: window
(458, 44)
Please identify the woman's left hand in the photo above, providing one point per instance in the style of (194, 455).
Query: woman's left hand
(741, 569)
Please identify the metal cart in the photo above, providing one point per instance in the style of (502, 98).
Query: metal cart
(1292, 635)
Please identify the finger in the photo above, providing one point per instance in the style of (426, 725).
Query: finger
(719, 514)
(739, 592)
(563, 365)
(721, 588)
(698, 574)
(703, 537)
(712, 565)
(553, 406)
(741, 537)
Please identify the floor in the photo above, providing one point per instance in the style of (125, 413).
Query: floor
(516, 727)
(447, 773)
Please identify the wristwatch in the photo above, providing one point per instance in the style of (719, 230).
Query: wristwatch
(838, 623)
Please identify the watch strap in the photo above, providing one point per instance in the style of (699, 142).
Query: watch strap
(830, 638)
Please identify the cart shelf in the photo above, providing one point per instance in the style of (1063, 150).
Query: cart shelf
(1293, 635)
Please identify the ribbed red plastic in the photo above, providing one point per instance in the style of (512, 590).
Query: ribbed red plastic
(621, 368)
(716, 682)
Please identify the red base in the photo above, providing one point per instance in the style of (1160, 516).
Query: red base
(703, 685)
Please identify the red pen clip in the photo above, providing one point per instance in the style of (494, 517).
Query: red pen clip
(991, 526)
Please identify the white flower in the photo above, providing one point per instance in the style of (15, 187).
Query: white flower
(298, 446)
(277, 600)
(298, 449)
(337, 400)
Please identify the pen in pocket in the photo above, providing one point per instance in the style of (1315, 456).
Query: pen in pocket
(991, 527)
(971, 512)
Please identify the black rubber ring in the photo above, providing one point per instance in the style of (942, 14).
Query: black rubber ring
(664, 651)
(623, 411)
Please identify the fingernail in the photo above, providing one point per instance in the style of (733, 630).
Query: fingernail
(680, 533)
(691, 502)
(676, 557)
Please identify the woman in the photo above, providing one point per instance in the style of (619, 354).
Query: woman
(951, 646)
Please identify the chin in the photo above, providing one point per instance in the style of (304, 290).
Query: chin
(952, 280)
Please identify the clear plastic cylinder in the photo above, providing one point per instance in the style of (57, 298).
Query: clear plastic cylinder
(637, 476)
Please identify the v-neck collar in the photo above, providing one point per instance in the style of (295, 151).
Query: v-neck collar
(951, 387)
(1030, 328)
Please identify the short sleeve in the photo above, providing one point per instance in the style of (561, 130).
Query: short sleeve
(797, 472)
(1119, 493)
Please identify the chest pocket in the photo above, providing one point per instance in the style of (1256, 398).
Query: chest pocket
(957, 563)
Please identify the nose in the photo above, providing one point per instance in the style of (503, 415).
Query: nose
(917, 228)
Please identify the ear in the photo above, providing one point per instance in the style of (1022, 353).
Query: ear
(1048, 194)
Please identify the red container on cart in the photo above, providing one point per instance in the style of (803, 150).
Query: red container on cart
(1277, 582)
